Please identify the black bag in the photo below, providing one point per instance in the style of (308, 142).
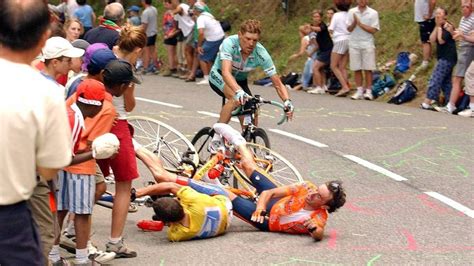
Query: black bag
(290, 79)
(406, 92)
(226, 26)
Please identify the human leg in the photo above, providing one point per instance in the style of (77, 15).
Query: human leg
(229, 106)
(153, 164)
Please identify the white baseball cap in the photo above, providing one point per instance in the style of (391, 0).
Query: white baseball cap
(57, 46)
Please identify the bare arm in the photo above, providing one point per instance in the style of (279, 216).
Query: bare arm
(200, 41)
(440, 35)
(352, 26)
(303, 45)
(47, 173)
(159, 189)
(129, 98)
(153, 164)
(434, 35)
(280, 88)
(227, 75)
(367, 28)
(94, 18)
(81, 157)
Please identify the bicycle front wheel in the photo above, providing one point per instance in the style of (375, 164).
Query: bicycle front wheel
(280, 169)
(165, 141)
(201, 143)
(260, 137)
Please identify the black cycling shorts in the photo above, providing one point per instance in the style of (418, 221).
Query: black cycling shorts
(242, 83)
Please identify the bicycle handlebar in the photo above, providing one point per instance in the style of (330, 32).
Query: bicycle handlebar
(254, 102)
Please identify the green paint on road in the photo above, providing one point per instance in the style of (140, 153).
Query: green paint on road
(162, 262)
(462, 170)
(371, 261)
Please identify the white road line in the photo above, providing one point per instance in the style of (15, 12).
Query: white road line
(456, 205)
(158, 102)
(300, 138)
(375, 167)
(233, 119)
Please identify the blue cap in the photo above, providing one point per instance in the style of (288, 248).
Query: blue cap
(134, 8)
(99, 60)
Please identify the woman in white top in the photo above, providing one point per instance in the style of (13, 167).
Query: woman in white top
(340, 54)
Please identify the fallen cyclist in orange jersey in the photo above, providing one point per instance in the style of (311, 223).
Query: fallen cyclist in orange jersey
(300, 208)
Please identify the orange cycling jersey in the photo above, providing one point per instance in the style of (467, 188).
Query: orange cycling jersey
(287, 214)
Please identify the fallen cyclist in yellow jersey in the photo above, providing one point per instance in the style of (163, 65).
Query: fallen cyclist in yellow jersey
(300, 208)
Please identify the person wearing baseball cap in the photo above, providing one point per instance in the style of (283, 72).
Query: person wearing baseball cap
(57, 56)
(118, 80)
(76, 189)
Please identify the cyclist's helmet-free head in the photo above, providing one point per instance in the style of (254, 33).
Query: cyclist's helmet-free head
(338, 195)
(168, 210)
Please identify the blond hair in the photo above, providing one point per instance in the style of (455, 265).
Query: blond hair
(131, 37)
(68, 23)
(251, 26)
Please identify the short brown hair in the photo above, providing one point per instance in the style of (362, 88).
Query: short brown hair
(338, 195)
(168, 210)
(131, 37)
(251, 26)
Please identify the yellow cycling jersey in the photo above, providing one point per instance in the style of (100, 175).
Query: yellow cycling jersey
(208, 216)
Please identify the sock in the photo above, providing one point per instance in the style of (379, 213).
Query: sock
(54, 254)
(82, 256)
(471, 106)
(360, 90)
(115, 240)
(425, 105)
(451, 107)
(425, 62)
(206, 77)
(232, 135)
(216, 138)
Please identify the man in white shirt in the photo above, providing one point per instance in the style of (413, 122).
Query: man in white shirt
(363, 23)
(35, 134)
(186, 25)
(424, 16)
(149, 23)
(210, 38)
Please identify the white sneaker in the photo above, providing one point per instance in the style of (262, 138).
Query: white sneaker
(467, 113)
(317, 90)
(203, 82)
(359, 95)
(368, 95)
(102, 256)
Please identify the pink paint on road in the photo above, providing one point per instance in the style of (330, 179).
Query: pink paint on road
(332, 239)
(412, 246)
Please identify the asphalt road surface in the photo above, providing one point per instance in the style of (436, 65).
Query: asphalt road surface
(408, 175)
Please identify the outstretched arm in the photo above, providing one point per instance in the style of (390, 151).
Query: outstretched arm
(158, 189)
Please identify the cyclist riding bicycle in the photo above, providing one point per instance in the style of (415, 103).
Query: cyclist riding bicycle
(238, 55)
(296, 209)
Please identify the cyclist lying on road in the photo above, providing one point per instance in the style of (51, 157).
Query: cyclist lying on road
(238, 55)
(296, 209)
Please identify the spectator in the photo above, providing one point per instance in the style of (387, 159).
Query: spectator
(185, 24)
(86, 15)
(76, 64)
(323, 55)
(149, 23)
(465, 53)
(363, 23)
(340, 51)
(108, 30)
(424, 16)
(329, 14)
(308, 49)
(35, 132)
(118, 76)
(171, 32)
(447, 57)
(469, 91)
(133, 16)
(57, 57)
(210, 38)
(73, 29)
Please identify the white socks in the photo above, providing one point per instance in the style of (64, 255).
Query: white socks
(54, 255)
(82, 256)
(230, 134)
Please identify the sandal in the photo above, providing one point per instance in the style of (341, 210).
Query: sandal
(342, 93)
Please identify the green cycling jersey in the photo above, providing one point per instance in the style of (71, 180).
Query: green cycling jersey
(230, 50)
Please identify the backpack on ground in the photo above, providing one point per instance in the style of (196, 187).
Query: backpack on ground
(403, 62)
(382, 84)
(291, 79)
(406, 92)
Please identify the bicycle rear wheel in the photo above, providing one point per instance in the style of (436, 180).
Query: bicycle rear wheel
(165, 141)
(201, 143)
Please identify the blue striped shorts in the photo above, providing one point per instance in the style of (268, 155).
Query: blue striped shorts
(76, 192)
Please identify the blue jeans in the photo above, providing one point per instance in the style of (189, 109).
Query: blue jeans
(307, 77)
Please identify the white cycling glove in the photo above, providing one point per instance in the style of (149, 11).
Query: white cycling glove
(105, 146)
(288, 106)
(241, 96)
